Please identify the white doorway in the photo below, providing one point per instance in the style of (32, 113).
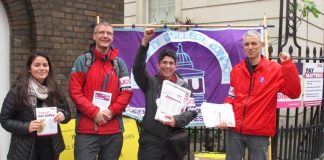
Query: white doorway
(4, 72)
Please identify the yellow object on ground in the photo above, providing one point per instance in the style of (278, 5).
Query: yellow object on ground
(68, 135)
(210, 156)
(131, 136)
(130, 145)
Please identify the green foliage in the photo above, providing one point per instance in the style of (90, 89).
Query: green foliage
(177, 20)
(162, 21)
(308, 7)
(186, 22)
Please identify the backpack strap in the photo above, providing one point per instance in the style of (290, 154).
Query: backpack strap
(120, 67)
(89, 58)
(116, 67)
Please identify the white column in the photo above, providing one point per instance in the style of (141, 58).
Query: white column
(4, 72)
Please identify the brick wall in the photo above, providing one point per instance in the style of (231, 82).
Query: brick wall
(62, 28)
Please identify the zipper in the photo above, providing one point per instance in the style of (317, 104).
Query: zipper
(103, 87)
(247, 100)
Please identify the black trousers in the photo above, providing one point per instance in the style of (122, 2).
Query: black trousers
(154, 148)
(44, 149)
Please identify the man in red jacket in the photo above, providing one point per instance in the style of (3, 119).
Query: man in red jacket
(99, 127)
(254, 85)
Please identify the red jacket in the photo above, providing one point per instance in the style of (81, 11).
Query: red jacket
(254, 97)
(82, 95)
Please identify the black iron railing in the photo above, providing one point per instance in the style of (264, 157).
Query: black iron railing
(300, 131)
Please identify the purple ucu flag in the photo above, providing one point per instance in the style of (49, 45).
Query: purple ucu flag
(205, 58)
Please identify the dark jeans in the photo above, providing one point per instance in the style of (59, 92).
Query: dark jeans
(237, 143)
(154, 148)
(88, 146)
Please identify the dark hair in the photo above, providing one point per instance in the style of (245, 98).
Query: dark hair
(22, 81)
(168, 53)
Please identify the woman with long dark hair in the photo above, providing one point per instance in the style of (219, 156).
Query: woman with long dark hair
(34, 88)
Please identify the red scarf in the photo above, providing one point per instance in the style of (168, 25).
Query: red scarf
(173, 78)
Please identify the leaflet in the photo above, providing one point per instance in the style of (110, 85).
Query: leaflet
(172, 101)
(101, 99)
(213, 114)
(46, 116)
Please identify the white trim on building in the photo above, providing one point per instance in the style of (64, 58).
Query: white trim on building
(4, 72)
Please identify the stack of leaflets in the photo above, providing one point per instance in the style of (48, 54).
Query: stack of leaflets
(214, 114)
(173, 101)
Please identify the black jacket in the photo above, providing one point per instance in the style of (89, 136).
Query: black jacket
(151, 87)
(16, 121)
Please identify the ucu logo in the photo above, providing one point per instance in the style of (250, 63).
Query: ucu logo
(124, 81)
(261, 79)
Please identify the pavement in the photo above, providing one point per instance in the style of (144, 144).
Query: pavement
(321, 157)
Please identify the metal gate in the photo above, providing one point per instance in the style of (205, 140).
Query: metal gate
(300, 131)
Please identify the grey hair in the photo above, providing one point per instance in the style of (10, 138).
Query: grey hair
(104, 23)
(253, 33)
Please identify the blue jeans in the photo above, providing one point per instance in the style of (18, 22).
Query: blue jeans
(237, 143)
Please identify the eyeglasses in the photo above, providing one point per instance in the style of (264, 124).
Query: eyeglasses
(102, 33)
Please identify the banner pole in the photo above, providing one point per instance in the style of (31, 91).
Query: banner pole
(266, 47)
(266, 36)
(98, 19)
(185, 26)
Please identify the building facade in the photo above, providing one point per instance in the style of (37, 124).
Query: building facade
(62, 28)
(309, 33)
(223, 12)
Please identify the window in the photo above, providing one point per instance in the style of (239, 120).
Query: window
(161, 11)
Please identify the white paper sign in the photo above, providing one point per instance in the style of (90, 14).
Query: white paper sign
(101, 99)
(313, 84)
(213, 114)
(46, 115)
(172, 101)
